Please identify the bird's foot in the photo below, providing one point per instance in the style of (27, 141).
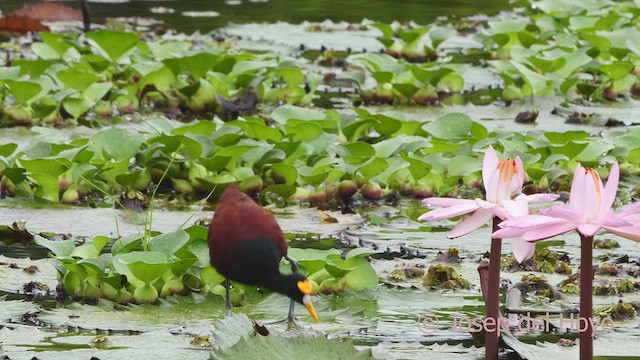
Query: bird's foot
(292, 323)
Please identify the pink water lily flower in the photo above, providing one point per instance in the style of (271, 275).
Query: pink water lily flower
(522, 249)
(588, 211)
(502, 181)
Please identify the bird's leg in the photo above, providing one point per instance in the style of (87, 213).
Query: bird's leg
(228, 299)
(295, 267)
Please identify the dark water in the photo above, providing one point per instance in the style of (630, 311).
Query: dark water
(293, 11)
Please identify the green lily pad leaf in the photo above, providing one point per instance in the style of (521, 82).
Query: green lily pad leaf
(62, 248)
(34, 68)
(169, 243)
(418, 168)
(116, 143)
(12, 72)
(115, 44)
(453, 81)
(537, 82)
(407, 90)
(162, 78)
(45, 106)
(77, 106)
(508, 26)
(127, 244)
(450, 126)
(284, 172)
(97, 91)
(463, 165)
(146, 266)
(618, 70)
(313, 260)
(199, 64)
(336, 266)
(48, 187)
(50, 166)
(76, 79)
(304, 130)
(363, 276)
(355, 152)
(287, 348)
(286, 112)
(210, 276)
(58, 42)
(92, 249)
(8, 149)
(23, 91)
(94, 267)
(373, 167)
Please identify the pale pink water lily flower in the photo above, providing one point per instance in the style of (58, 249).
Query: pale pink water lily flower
(502, 181)
(588, 211)
(522, 249)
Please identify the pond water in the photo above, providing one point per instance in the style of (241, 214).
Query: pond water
(388, 319)
(293, 11)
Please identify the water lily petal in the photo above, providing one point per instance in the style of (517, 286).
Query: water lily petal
(510, 232)
(449, 212)
(562, 211)
(470, 223)
(633, 219)
(489, 165)
(541, 198)
(609, 194)
(530, 221)
(516, 208)
(612, 220)
(547, 231)
(522, 250)
(577, 193)
(629, 232)
(482, 204)
(635, 208)
(588, 229)
(435, 201)
(520, 171)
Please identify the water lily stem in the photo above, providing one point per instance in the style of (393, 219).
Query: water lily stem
(492, 336)
(586, 297)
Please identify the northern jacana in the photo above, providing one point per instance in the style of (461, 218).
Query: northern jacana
(246, 245)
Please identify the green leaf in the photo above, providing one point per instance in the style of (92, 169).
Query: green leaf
(114, 43)
(286, 112)
(450, 126)
(76, 79)
(92, 249)
(537, 82)
(292, 348)
(8, 149)
(210, 276)
(363, 276)
(463, 165)
(373, 167)
(169, 243)
(53, 167)
(116, 143)
(24, 91)
(286, 172)
(618, 70)
(60, 248)
(146, 266)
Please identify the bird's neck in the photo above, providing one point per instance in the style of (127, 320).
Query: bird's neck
(280, 283)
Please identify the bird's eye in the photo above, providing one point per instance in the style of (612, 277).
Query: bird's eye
(305, 286)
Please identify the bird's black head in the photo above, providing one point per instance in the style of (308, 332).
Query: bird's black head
(298, 288)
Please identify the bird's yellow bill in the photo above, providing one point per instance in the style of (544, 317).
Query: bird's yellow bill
(311, 310)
